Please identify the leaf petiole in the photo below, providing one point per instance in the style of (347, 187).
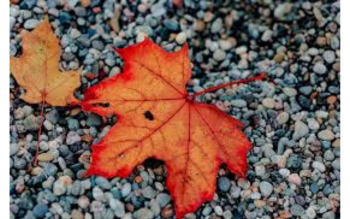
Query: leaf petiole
(261, 76)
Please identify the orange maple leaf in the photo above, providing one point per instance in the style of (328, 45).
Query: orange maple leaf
(158, 118)
(37, 70)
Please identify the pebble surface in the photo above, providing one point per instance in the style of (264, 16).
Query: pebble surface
(292, 119)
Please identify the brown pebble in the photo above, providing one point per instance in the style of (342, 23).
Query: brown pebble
(129, 207)
(321, 41)
(85, 3)
(336, 143)
(259, 203)
(77, 214)
(331, 100)
(199, 25)
(45, 157)
(279, 57)
(138, 179)
(167, 212)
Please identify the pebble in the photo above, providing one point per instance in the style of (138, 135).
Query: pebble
(326, 135)
(181, 38)
(328, 155)
(60, 186)
(239, 103)
(163, 199)
(319, 166)
(224, 184)
(40, 210)
(282, 118)
(83, 202)
(103, 183)
(148, 192)
(328, 215)
(269, 103)
(126, 190)
(14, 148)
(45, 157)
(118, 207)
(219, 55)
(295, 179)
(320, 68)
(31, 24)
(297, 210)
(143, 213)
(329, 56)
(267, 35)
(98, 194)
(266, 188)
(72, 137)
(300, 130)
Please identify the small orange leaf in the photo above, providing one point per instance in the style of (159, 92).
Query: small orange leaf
(37, 69)
(158, 118)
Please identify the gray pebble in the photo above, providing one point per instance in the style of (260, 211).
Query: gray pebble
(126, 189)
(148, 192)
(224, 184)
(143, 213)
(320, 68)
(300, 130)
(266, 188)
(31, 24)
(329, 56)
(297, 210)
(163, 199)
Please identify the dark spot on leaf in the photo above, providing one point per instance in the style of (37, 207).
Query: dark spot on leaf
(105, 105)
(148, 115)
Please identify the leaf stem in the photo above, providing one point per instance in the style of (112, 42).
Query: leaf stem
(247, 80)
(35, 162)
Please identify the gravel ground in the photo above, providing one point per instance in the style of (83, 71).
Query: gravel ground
(292, 119)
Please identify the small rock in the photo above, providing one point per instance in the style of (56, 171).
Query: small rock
(148, 192)
(300, 130)
(31, 24)
(224, 184)
(163, 199)
(98, 194)
(126, 189)
(319, 166)
(181, 38)
(143, 213)
(310, 212)
(326, 135)
(295, 179)
(83, 202)
(45, 157)
(313, 124)
(282, 118)
(118, 207)
(219, 55)
(329, 56)
(267, 35)
(266, 188)
(328, 215)
(297, 210)
(40, 210)
(320, 68)
(60, 186)
(72, 137)
(103, 183)
(268, 103)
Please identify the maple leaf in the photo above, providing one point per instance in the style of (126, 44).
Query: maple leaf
(37, 70)
(158, 118)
